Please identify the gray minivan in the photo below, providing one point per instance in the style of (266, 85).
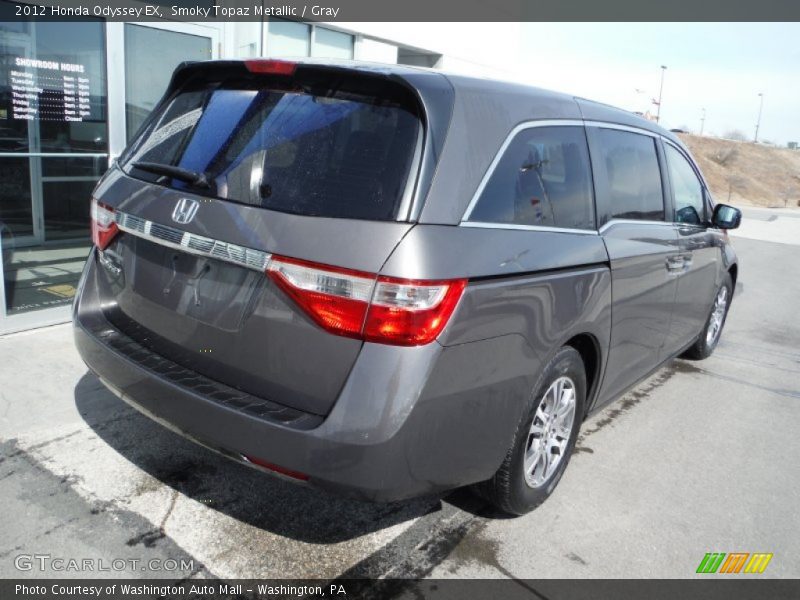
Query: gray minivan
(389, 281)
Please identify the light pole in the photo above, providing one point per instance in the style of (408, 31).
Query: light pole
(702, 121)
(758, 122)
(660, 93)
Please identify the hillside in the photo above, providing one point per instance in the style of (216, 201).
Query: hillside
(747, 173)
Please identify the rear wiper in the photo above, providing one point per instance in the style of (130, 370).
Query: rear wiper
(195, 178)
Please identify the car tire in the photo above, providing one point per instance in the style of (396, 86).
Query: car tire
(516, 489)
(709, 336)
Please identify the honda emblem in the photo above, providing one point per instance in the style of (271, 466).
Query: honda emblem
(185, 210)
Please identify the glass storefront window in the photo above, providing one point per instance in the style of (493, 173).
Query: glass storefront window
(332, 44)
(290, 38)
(247, 36)
(67, 185)
(16, 209)
(53, 87)
(44, 275)
(287, 38)
(151, 56)
(53, 149)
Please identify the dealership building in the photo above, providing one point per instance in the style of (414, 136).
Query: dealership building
(72, 94)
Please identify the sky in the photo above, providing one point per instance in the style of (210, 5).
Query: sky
(721, 67)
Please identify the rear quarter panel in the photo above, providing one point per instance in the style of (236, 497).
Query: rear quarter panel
(529, 293)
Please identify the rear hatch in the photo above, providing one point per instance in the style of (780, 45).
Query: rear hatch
(244, 162)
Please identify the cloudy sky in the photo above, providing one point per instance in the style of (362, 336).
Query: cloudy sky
(721, 67)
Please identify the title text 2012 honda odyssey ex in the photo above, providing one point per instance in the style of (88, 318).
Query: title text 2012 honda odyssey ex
(390, 281)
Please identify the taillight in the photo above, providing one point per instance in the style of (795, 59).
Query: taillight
(337, 299)
(270, 67)
(104, 227)
(362, 305)
(411, 313)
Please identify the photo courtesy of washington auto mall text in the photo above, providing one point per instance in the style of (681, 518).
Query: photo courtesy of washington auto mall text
(183, 589)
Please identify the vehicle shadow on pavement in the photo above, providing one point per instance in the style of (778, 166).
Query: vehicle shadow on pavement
(242, 493)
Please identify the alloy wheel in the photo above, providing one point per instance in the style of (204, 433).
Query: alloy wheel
(717, 316)
(549, 432)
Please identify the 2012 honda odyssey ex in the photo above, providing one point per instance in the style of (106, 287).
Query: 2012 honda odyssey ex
(391, 281)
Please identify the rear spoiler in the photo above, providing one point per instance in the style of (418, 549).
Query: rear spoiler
(275, 70)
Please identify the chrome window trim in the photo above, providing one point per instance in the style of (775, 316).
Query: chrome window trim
(483, 225)
(620, 127)
(192, 243)
(504, 146)
(644, 222)
(603, 229)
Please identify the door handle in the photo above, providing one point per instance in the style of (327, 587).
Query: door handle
(675, 264)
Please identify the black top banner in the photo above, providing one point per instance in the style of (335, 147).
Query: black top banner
(406, 10)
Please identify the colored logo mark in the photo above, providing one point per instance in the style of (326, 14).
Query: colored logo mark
(734, 562)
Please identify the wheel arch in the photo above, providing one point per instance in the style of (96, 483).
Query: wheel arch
(734, 272)
(588, 347)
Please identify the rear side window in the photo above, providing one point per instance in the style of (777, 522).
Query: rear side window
(687, 190)
(543, 178)
(633, 178)
(330, 151)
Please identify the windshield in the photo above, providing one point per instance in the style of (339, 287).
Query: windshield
(330, 153)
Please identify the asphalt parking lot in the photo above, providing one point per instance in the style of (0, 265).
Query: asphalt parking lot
(701, 457)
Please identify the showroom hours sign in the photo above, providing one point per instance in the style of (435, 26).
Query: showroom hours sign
(47, 90)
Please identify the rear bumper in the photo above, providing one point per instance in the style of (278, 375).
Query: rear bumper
(408, 422)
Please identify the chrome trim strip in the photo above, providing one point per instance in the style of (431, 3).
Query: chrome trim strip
(482, 225)
(613, 222)
(499, 155)
(630, 128)
(192, 243)
(608, 225)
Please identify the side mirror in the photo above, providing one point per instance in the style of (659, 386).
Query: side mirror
(726, 217)
(688, 214)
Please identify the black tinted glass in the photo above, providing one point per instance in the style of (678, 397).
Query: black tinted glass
(543, 178)
(633, 177)
(330, 153)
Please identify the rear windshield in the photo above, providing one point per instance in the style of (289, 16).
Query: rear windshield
(329, 151)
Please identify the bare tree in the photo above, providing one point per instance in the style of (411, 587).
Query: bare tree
(735, 135)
